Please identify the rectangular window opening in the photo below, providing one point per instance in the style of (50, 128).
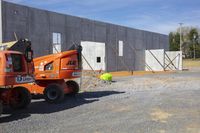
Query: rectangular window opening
(17, 62)
(121, 48)
(57, 40)
(98, 59)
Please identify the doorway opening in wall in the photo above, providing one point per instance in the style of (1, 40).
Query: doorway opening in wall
(56, 37)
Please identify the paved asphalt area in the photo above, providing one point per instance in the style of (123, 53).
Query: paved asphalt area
(167, 103)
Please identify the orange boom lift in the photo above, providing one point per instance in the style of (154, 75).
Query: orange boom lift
(16, 68)
(53, 74)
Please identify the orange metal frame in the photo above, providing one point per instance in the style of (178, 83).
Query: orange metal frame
(9, 78)
(64, 66)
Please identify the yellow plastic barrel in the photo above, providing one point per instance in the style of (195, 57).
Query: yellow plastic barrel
(106, 77)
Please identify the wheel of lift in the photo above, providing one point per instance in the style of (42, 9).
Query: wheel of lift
(54, 93)
(20, 98)
(1, 108)
(73, 85)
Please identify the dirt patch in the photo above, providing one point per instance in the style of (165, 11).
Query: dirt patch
(138, 73)
(162, 131)
(191, 63)
(121, 109)
(193, 128)
(159, 115)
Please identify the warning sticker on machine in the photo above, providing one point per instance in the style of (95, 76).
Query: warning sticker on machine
(24, 79)
(76, 74)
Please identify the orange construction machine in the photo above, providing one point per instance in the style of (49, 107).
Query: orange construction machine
(53, 74)
(16, 67)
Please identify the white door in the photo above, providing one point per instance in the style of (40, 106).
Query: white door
(94, 52)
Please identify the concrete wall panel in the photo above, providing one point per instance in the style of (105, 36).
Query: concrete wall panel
(97, 50)
(166, 42)
(38, 25)
(122, 36)
(139, 60)
(131, 35)
(155, 60)
(131, 50)
(156, 41)
(87, 30)
(15, 20)
(73, 36)
(149, 40)
(111, 48)
(100, 32)
(129, 57)
(72, 32)
(57, 25)
(139, 40)
(56, 22)
(72, 21)
(39, 32)
(173, 60)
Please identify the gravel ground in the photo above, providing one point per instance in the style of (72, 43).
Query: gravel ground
(167, 103)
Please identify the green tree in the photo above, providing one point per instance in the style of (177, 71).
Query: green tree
(193, 37)
(174, 41)
(190, 41)
(193, 34)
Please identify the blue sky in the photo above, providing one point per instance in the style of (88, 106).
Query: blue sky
(160, 16)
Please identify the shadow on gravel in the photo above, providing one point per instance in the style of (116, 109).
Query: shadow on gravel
(42, 107)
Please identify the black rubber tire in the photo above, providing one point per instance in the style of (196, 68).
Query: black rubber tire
(54, 93)
(21, 98)
(74, 86)
(1, 108)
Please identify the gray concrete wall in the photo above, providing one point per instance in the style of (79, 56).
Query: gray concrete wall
(38, 25)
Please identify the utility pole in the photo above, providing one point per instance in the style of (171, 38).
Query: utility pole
(181, 36)
(194, 38)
